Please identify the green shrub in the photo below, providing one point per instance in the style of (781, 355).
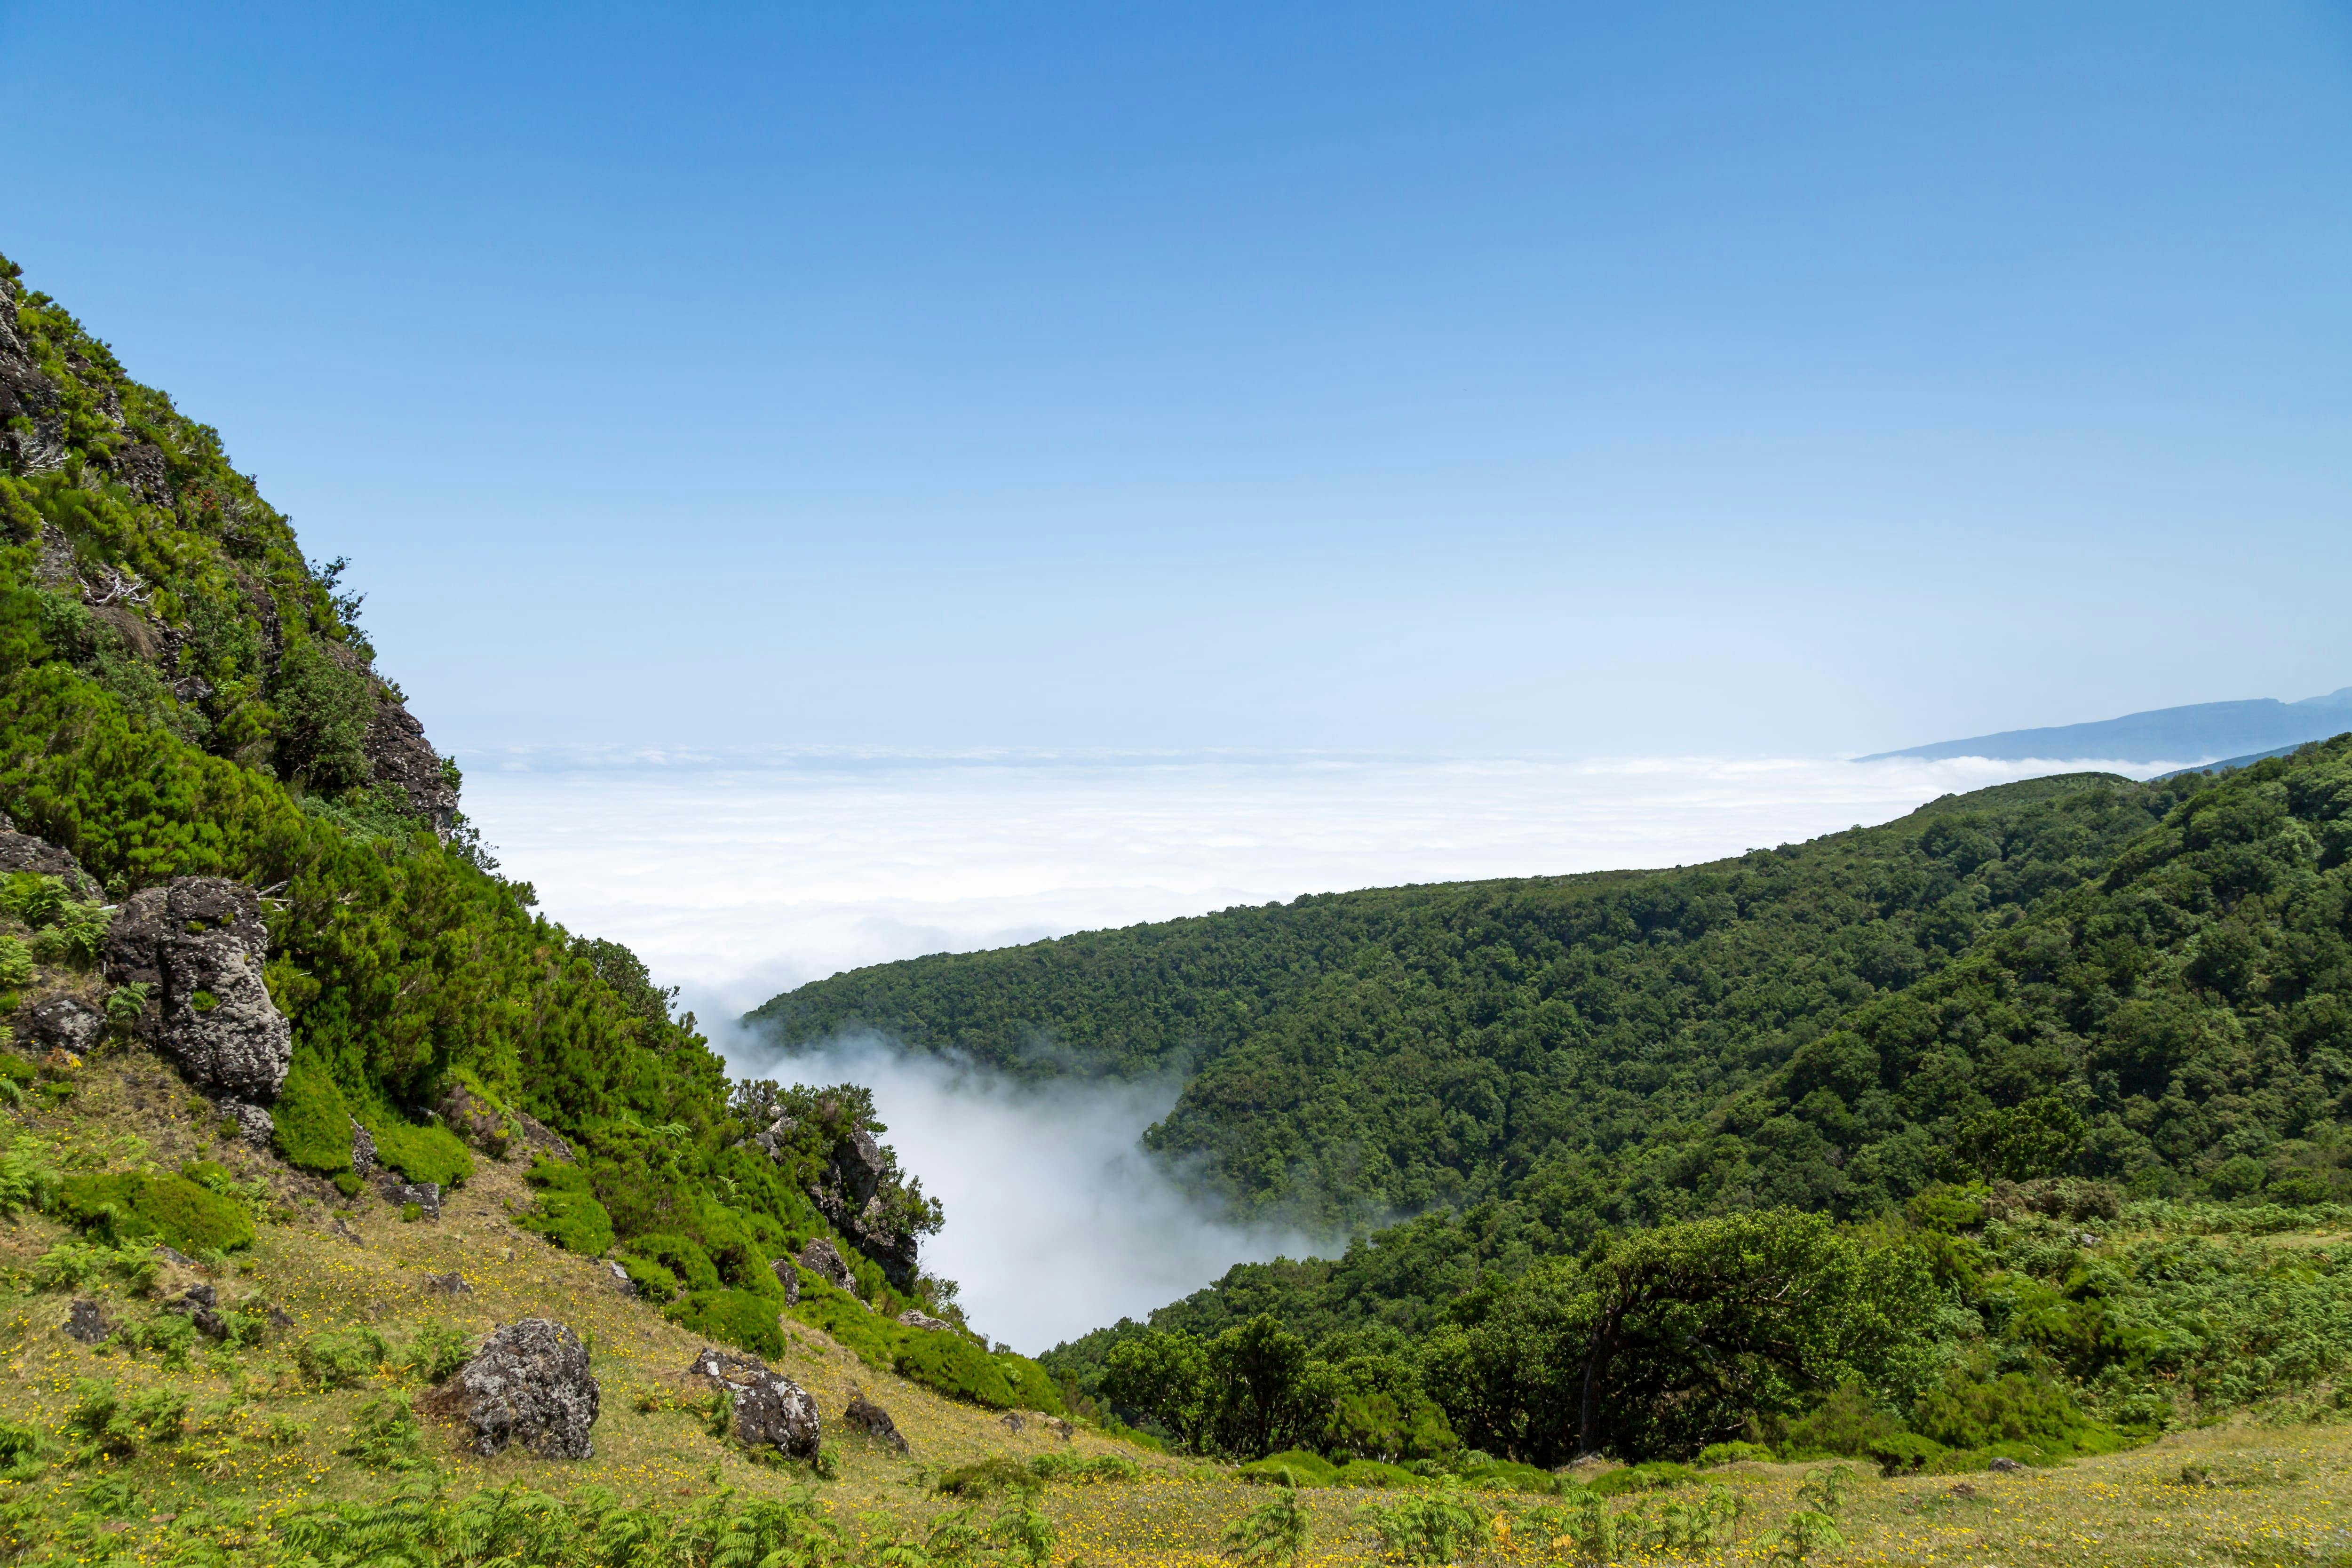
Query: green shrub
(678, 1256)
(983, 1477)
(171, 1209)
(568, 1214)
(1291, 1467)
(732, 1317)
(1507, 1475)
(387, 1436)
(1845, 1424)
(313, 1121)
(1033, 1387)
(340, 1357)
(15, 964)
(1715, 1454)
(1960, 1413)
(653, 1282)
(1374, 1473)
(1907, 1453)
(1646, 1476)
(953, 1365)
(436, 1349)
(432, 1154)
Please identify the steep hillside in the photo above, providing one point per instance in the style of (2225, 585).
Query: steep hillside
(238, 850)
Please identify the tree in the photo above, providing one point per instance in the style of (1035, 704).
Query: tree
(1165, 1378)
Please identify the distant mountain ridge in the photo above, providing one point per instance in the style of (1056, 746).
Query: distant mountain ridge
(2197, 732)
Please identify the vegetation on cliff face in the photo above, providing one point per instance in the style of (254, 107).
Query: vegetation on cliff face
(182, 694)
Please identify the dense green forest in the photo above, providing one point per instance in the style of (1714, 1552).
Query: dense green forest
(1974, 1044)
(182, 694)
(1358, 1055)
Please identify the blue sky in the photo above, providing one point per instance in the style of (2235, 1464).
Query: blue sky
(1502, 379)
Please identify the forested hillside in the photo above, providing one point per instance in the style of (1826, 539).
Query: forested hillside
(1359, 1053)
(207, 768)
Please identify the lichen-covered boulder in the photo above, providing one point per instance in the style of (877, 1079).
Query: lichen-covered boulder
(771, 1409)
(789, 1277)
(64, 1023)
(22, 852)
(915, 1319)
(199, 946)
(529, 1384)
(87, 1321)
(255, 1126)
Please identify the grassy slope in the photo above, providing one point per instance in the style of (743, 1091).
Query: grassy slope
(2284, 1488)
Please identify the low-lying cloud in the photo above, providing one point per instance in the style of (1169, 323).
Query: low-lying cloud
(1058, 1220)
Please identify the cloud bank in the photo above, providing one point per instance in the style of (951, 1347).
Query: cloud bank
(1057, 1221)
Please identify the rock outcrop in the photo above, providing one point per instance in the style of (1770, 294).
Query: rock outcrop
(919, 1319)
(87, 1321)
(865, 1416)
(476, 1121)
(528, 1384)
(824, 1259)
(22, 852)
(850, 1195)
(789, 1277)
(398, 754)
(38, 443)
(255, 1126)
(771, 1409)
(63, 1024)
(199, 945)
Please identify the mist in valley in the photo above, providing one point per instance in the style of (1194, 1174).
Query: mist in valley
(1059, 1220)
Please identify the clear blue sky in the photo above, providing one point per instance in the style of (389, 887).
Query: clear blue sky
(1503, 379)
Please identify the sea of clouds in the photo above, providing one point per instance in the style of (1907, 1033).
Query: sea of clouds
(739, 874)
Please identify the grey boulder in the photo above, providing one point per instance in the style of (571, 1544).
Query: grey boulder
(824, 1259)
(771, 1409)
(528, 1384)
(917, 1319)
(199, 946)
(255, 1126)
(22, 852)
(865, 1416)
(61, 1023)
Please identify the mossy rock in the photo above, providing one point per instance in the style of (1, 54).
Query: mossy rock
(132, 1205)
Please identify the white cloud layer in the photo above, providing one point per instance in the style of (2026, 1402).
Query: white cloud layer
(738, 875)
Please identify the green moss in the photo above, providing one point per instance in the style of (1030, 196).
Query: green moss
(733, 1317)
(131, 1205)
(312, 1122)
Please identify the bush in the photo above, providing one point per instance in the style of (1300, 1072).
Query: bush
(1845, 1425)
(1907, 1453)
(1960, 1413)
(1032, 1388)
(953, 1365)
(1291, 1467)
(1646, 1476)
(737, 1318)
(653, 1282)
(569, 1214)
(340, 1357)
(1374, 1473)
(1715, 1454)
(171, 1209)
(432, 1154)
(313, 1123)
(680, 1257)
